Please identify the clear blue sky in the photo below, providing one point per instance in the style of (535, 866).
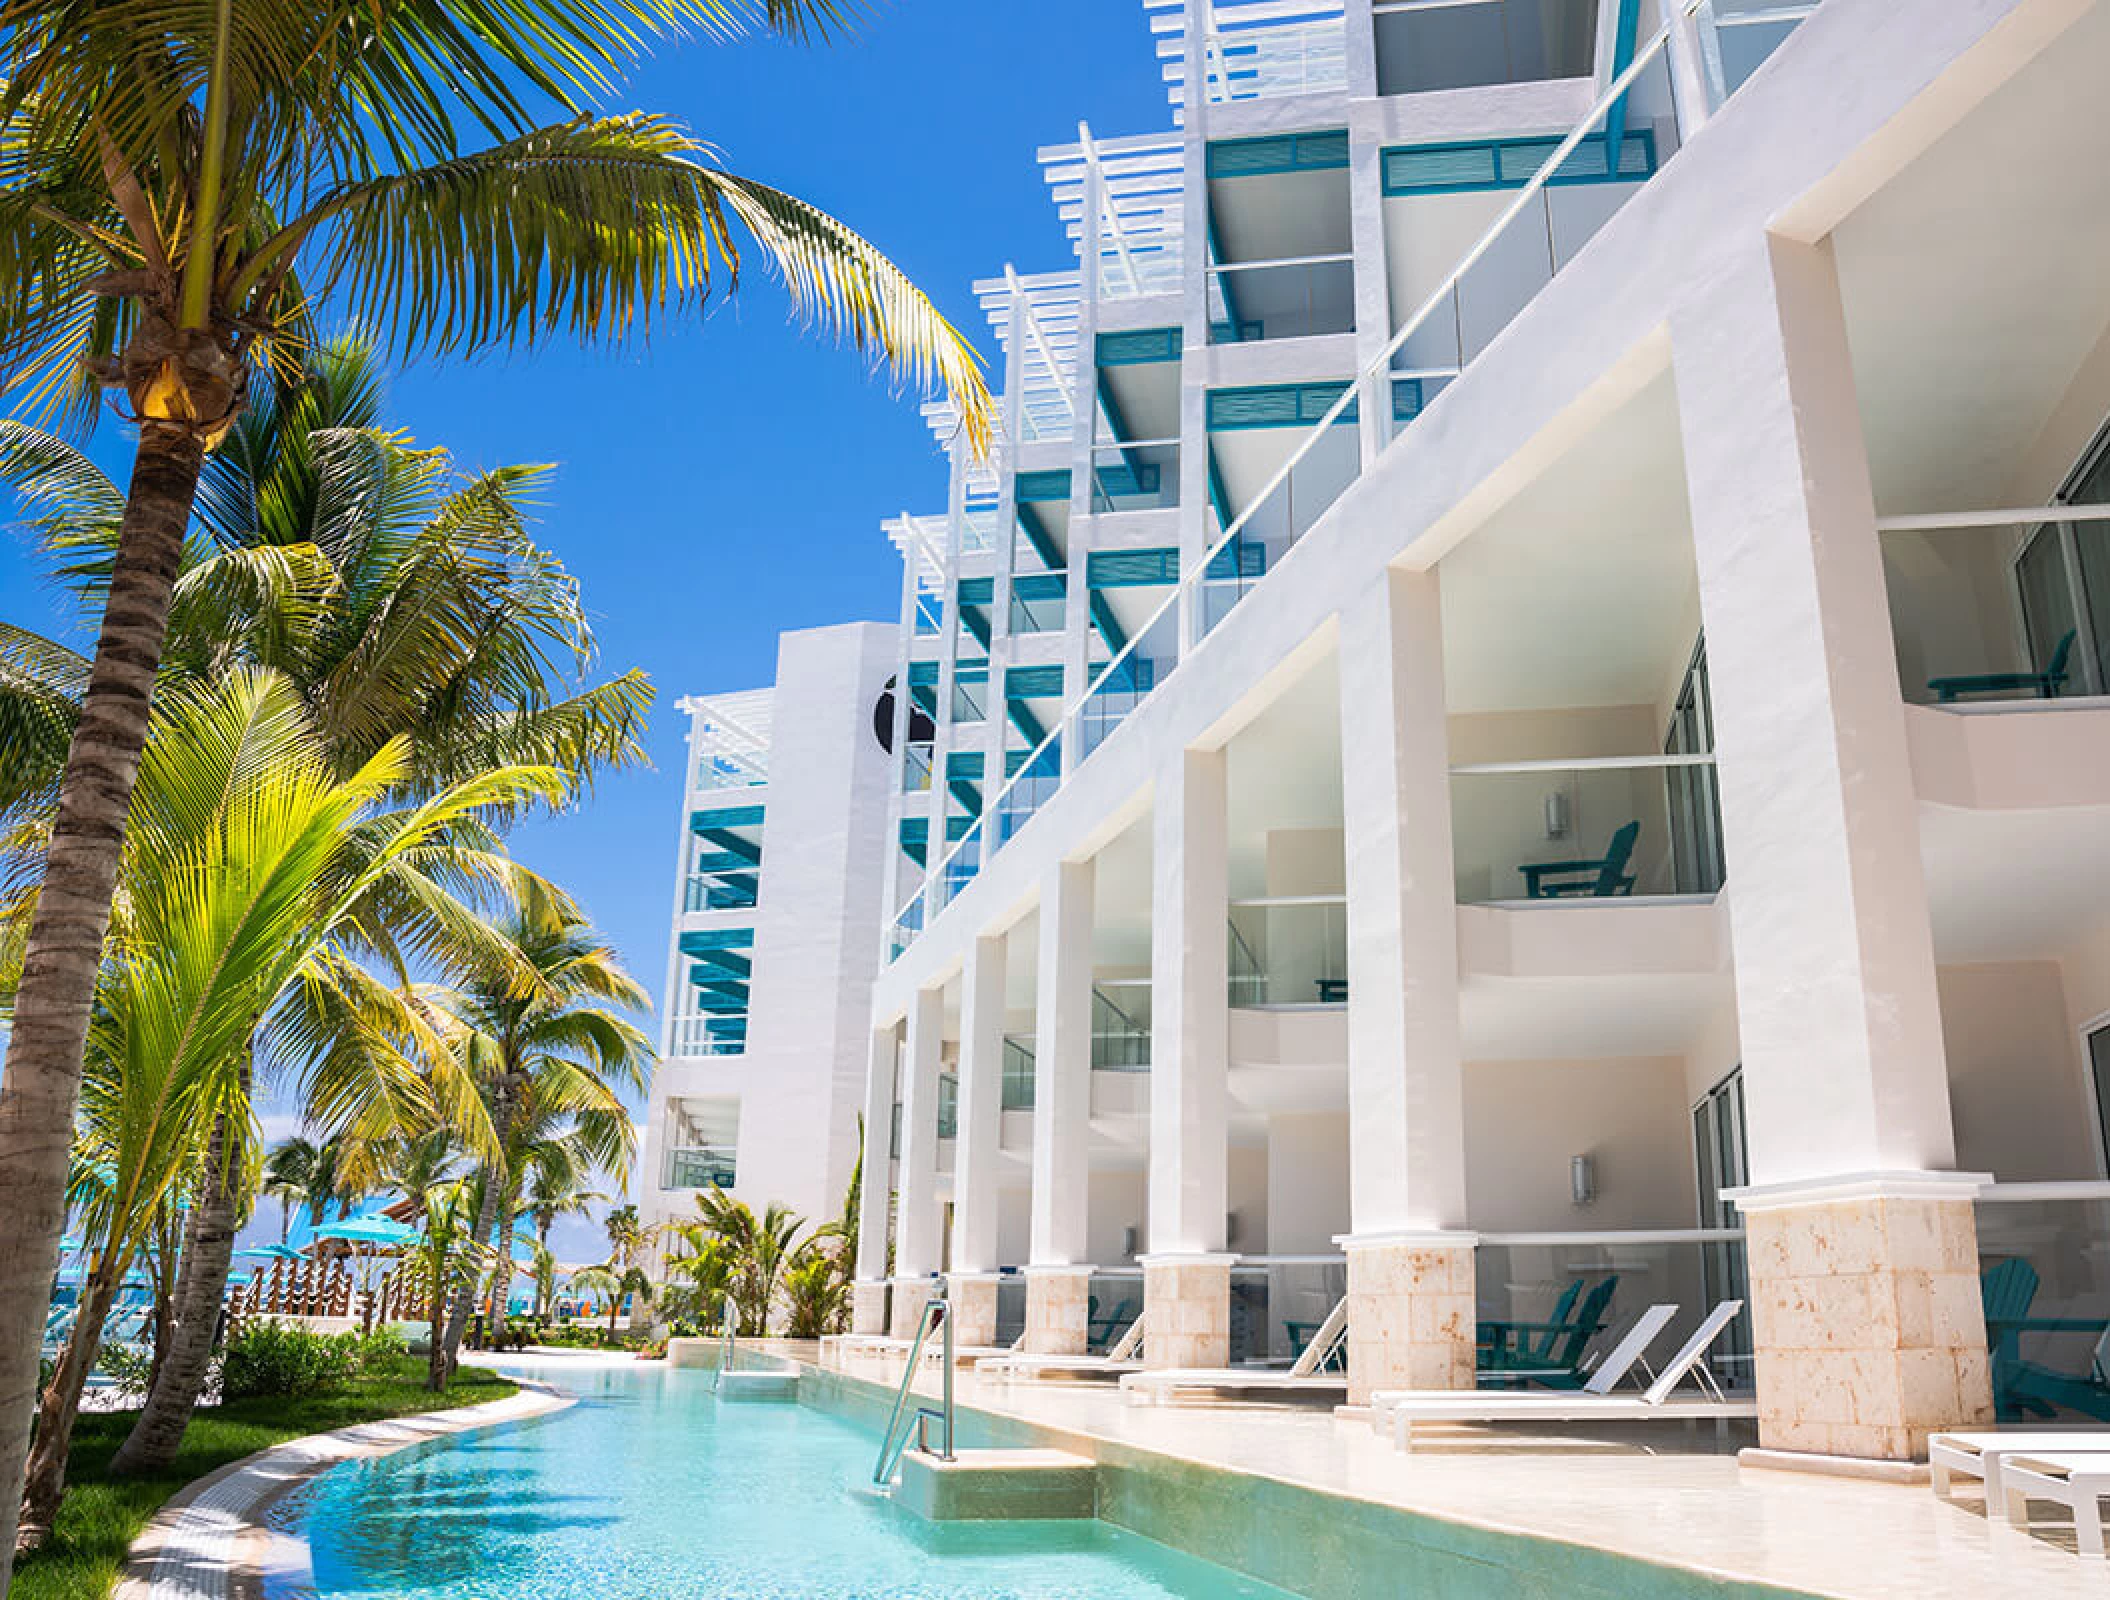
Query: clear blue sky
(727, 481)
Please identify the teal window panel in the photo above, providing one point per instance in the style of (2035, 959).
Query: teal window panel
(1241, 558)
(1285, 152)
(922, 672)
(965, 764)
(977, 591)
(1036, 488)
(1407, 399)
(915, 828)
(1039, 586)
(702, 941)
(1131, 569)
(971, 672)
(1280, 405)
(958, 828)
(1509, 164)
(1119, 480)
(1134, 347)
(1033, 683)
(725, 817)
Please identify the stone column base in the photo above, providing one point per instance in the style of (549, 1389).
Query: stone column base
(973, 1296)
(1867, 1315)
(1410, 1311)
(1058, 1311)
(1187, 1307)
(868, 1306)
(910, 1296)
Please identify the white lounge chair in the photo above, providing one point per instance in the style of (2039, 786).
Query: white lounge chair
(1981, 1455)
(1124, 1355)
(1630, 1352)
(2077, 1481)
(1582, 1405)
(1167, 1384)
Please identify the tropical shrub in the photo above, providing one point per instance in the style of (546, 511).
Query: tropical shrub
(815, 1296)
(269, 1359)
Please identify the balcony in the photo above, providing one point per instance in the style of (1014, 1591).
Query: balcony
(699, 1167)
(1121, 1025)
(709, 1036)
(1425, 45)
(1611, 827)
(1270, 62)
(1289, 950)
(1286, 299)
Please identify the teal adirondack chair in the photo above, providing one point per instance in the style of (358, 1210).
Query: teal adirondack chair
(2045, 684)
(1102, 1330)
(1510, 1354)
(1575, 880)
(2028, 1389)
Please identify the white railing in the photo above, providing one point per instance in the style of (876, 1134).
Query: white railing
(690, 1037)
(1266, 63)
(963, 860)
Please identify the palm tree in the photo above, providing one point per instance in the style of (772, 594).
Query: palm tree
(183, 188)
(761, 1248)
(399, 597)
(815, 1293)
(554, 1041)
(616, 1280)
(443, 1261)
(289, 1172)
(551, 1152)
(544, 1271)
(249, 862)
(551, 1193)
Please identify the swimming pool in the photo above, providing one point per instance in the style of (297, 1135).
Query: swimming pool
(651, 1489)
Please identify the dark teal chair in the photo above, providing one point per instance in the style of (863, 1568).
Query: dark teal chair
(2045, 685)
(1102, 1330)
(1576, 880)
(1550, 1352)
(2024, 1389)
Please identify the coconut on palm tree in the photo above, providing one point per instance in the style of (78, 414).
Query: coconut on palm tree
(185, 187)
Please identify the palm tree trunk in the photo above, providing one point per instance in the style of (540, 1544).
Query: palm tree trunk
(499, 1305)
(44, 1482)
(43, 1071)
(435, 1344)
(208, 1254)
(465, 1295)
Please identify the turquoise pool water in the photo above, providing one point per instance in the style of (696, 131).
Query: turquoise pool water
(649, 1489)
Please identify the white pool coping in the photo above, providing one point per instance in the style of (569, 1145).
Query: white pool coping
(211, 1540)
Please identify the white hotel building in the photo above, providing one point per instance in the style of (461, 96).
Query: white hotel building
(1517, 709)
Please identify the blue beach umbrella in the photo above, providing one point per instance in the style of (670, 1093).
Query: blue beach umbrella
(368, 1230)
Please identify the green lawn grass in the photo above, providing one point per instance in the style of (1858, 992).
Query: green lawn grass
(102, 1516)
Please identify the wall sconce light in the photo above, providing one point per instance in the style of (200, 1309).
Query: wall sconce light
(1582, 1179)
(1128, 1242)
(1557, 814)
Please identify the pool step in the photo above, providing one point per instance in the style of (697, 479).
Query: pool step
(758, 1386)
(990, 1485)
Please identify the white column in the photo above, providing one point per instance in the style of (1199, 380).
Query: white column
(1844, 1066)
(1186, 1275)
(868, 1296)
(917, 1217)
(1866, 1309)
(1406, 1090)
(1056, 1295)
(974, 1204)
(1410, 1264)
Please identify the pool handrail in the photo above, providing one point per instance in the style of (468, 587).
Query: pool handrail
(935, 1317)
(727, 1331)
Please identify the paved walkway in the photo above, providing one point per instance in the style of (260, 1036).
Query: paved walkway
(1649, 1492)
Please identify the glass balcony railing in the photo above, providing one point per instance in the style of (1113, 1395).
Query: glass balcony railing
(710, 1036)
(915, 769)
(1290, 951)
(706, 891)
(1736, 37)
(1292, 497)
(1279, 1303)
(1612, 828)
(699, 1167)
(1018, 1074)
(1121, 1026)
(1464, 44)
(1288, 299)
(1550, 1304)
(1115, 1299)
(949, 1106)
(2044, 1263)
(1139, 475)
